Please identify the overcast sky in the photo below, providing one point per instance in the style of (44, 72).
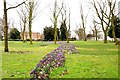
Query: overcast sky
(43, 19)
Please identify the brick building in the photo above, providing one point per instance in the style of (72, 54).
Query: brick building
(35, 36)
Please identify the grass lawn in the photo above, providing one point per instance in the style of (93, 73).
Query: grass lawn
(22, 58)
(95, 60)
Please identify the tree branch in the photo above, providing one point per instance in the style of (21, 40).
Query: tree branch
(16, 5)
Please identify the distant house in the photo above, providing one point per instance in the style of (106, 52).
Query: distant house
(35, 36)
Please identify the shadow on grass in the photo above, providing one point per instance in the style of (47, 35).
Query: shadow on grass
(20, 52)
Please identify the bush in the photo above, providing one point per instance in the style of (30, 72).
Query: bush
(14, 34)
(49, 33)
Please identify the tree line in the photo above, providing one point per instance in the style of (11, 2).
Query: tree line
(61, 33)
(103, 9)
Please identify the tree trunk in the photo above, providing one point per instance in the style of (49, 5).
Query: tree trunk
(113, 34)
(113, 30)
(67, 34)
(23, 33)
(5, 29)
(6, 25)
(30, 32)
(55, 27)
(30, 21)
(96, 34)
(105, 36)
(85, 38)
(23, 37)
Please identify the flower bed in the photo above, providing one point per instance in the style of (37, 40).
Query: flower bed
(70, 48)
(52, 60)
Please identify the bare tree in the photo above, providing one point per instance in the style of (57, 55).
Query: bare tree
(95, 29)
(80, 33)
(56, 13)
(28, 13)
(65, 17)
(113, 28)
(105, 12)
(68, 31)
(101, 8)
(32, 8)
(23, 19)
(6, 24)
(112, 4)
(83, 18)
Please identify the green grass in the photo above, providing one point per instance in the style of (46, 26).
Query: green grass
(0, 61)
(96, 48)
(95, 60)
(22, 58)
